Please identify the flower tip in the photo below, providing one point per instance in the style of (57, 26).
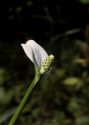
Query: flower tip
(30, 41)
(22, 44)
(51, 56)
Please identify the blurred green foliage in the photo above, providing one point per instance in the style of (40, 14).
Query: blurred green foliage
(62, 98)
(84, 1)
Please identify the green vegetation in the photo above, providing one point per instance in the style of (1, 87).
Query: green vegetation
(62, 97)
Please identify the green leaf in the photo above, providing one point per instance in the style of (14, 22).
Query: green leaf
(4, 116)
(72, 81)
(5, 96)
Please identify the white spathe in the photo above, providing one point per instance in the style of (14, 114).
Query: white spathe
(35, 52)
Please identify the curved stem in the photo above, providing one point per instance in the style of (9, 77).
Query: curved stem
(24, 100)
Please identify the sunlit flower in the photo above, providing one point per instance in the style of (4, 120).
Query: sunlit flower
(38, 56)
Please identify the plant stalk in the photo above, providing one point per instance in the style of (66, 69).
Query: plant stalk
(24, 100)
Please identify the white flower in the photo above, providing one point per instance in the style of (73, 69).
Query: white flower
(37, 55)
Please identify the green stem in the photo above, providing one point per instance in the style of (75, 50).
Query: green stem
(24, 100)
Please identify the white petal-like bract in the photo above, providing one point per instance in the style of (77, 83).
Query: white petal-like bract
(34, 52)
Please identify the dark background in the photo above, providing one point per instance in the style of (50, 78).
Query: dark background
(62, 28)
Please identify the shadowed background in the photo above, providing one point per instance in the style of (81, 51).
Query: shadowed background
(62, 28)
